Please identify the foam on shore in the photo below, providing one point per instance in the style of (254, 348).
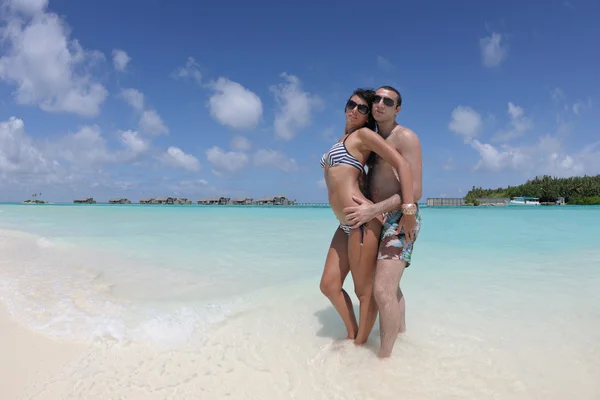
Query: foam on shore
(69, 293)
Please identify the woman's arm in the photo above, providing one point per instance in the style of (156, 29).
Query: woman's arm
(375, 143)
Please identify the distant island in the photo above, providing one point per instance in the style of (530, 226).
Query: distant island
(222, 200)
(34, 199)
(579, 190)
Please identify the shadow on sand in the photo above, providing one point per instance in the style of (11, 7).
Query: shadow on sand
(333, 327)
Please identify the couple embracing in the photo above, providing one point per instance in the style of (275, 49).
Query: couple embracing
(373, 176)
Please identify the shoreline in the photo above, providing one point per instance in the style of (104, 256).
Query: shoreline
(280, 340)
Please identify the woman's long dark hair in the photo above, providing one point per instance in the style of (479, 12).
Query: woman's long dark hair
(367, 95)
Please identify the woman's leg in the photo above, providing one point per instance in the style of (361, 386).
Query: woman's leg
(336, 269)
(362, 264)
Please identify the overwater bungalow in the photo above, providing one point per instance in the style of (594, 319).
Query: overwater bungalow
(182, 200)
(275, 201)
(163, 200)
(87, 200)
(242, 201)
(263, 201)
(119, 200)
(282, 201)
(214, 200)
(146, 201)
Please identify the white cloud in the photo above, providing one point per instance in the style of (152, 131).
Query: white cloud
(20, 158)
(465, 122)
(79, 160)
(275, 159)
(581, 105)
(120, 59)
(566, 108)
(329, 135)
(28, 7)
(385, 64)
(226, 161)
(190, 70)
(493, 51)
(240, 143)
(134, 98)
(548, 155)
(518, 124)
(86, 149)
(175, 157)
(48, 69)
(152, 123)
(295, 107)
(492, 159)
(321, 183)
(133, 141)
(234, 106)
(77, 157)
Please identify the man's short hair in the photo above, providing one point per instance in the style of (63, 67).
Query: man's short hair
(393, 90)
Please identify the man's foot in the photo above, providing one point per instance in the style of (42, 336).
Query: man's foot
(383, 356)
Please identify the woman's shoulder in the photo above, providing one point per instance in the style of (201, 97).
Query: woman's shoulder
(365, 131)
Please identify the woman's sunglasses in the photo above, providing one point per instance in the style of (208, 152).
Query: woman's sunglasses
(363, 109)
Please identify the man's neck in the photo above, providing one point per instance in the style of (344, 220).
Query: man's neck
(385, 128)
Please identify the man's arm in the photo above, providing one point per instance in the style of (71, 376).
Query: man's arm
(390, 204)
(407, 144)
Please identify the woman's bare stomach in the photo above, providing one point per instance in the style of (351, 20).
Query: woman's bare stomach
(340, 192)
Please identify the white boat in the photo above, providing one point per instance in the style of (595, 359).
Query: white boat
(524, 201)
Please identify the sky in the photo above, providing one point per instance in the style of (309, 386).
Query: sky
(114, 99)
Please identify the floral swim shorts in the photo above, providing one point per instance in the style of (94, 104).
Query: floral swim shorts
(393, 246)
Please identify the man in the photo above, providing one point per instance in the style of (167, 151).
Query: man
(396, 246)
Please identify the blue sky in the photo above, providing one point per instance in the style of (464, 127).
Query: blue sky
(110, 98)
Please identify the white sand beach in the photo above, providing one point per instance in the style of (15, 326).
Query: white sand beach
(29, 358)
(78, 323)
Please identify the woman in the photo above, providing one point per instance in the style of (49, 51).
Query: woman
(355, 250)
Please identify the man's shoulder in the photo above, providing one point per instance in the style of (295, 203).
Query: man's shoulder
(401, 134)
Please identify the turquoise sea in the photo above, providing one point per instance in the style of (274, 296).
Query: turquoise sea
(502, 302)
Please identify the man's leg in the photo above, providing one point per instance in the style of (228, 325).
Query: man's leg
(402, 302)
(390, 302)
(393, 258)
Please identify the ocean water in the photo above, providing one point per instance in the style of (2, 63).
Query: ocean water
(213, 302)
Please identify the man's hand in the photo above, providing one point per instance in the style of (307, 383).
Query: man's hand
(358, 215)
(407, 222)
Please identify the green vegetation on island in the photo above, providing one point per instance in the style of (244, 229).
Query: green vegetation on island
(582, 190)
(34, 202)
(34, 199)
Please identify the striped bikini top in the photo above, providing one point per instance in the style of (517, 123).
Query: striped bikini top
(338, 154)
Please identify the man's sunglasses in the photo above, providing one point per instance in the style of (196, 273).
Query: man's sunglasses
(363, 109)
(386, 100)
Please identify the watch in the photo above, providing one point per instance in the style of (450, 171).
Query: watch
(409, 209)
